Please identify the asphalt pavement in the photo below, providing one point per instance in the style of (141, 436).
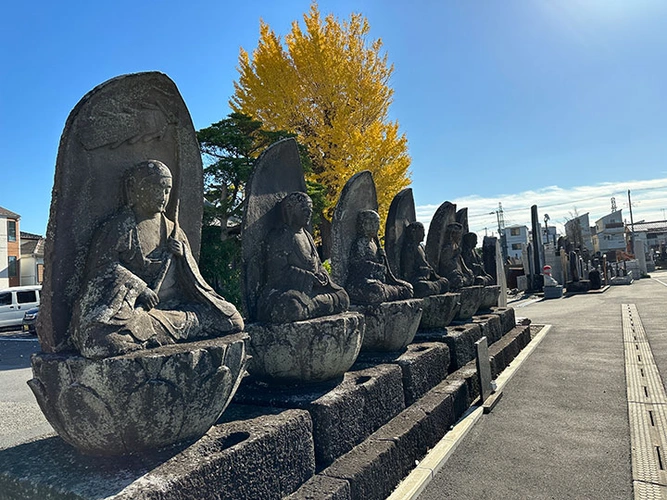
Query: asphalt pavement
(561, 429)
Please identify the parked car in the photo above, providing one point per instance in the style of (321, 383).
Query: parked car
(29, 320)
(15, 301)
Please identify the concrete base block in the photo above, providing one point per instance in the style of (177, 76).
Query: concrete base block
(503, 352)
(553, 292)
(507, 317)
(372, 470)
(267, 456)
(581, 286)
(423, 365)
(491, 327)
(461, 340)
(322, 488)
(344, 414)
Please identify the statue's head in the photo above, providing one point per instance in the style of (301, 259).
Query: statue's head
(415, 232)
(368, 223)
(454, 232)
(470, 240)
(148, 186)
(296, 209)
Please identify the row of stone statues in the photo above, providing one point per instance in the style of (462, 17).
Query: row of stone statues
(126, 308)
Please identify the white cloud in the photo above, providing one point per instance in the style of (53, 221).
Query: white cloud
(649, 202)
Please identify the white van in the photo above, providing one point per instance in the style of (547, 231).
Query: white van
(15, 301)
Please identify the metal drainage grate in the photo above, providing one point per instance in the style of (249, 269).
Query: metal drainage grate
(647, 410)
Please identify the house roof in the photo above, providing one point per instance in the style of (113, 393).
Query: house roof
(8, 213)
(659, 226)
(32, 244)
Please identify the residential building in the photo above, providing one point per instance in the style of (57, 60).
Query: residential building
(517, 238)
(654, 234)
(609, 233)
(32, 259)
(10, 255)
(578, 232)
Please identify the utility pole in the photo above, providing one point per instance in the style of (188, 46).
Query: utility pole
(632, 226)
(500, 216)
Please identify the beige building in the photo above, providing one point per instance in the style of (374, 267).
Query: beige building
(10, 255)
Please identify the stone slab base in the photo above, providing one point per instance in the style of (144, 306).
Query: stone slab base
(581, 286)
(491, 326)
(553, 292)
(502, 353)
(439, 310)
(311, 351)
(344, 414)
(266, 454)
(460, 338)
(507, 317)
(390, 326)
(423, 366)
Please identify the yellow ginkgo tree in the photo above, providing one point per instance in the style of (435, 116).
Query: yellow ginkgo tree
(328, 84)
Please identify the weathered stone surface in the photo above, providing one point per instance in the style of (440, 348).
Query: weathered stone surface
(504, 351)
(339, 423)
(258, 456)
(321, 487)
(401, 213)
(390, 326)
(118, 124)
(490, 325)
(141, 400)
(358, 194)
(357, 258)
(471, 298)
(461, 340)
(372, 469)
(423, 366)
(453, 386)
(468, 375)
(581, 286)
(308, 351)
(443, 217)
(439, 310)
(490, 295)
(507, 317)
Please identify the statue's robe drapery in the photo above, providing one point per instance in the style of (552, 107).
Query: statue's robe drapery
(108, 319)
(297, 286)
(369, 280)
(416, 270)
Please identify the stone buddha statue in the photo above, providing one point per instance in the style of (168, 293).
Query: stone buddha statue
(415, 268)
(452, 265)
(142, 287)
(297, 286)
(473, 261)
(369, 279)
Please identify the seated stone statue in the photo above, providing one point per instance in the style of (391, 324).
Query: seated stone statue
(452, 266)
(369, 280)
(473, 261)
(414, 266)
(297, 286)
(142, 286)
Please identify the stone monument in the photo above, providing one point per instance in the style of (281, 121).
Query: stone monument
(300, 330)
(443, 251)
(407, 259)
(124, 367)
(359, 261)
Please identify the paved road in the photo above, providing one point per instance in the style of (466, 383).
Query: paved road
(561, 429)
(20, 417)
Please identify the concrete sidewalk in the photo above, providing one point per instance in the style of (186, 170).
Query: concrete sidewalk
(561, 429)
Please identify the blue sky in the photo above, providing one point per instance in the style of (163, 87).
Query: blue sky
(560, 103)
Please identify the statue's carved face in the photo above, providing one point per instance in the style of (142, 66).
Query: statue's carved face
(368, 223)
(149, 187)
(415, 232)
(297, 209)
